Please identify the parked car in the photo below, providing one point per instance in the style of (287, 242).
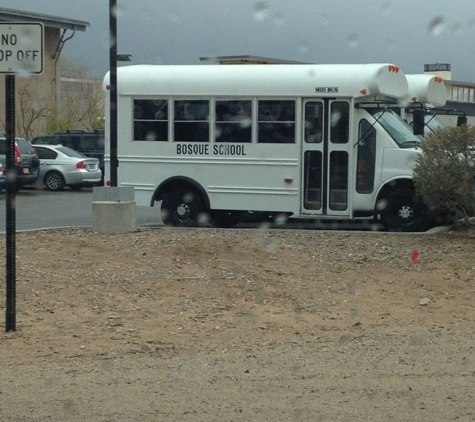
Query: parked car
(90, 144)
(61, 166)
(2, 178)
(26, 164)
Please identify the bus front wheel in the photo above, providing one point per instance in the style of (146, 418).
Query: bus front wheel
(404, 212)
(181, 207)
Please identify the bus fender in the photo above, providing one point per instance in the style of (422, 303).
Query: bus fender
(179, 182)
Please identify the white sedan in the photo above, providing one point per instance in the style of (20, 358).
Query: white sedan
(61, 166)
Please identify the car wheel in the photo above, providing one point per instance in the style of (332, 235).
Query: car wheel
(181, 207)
(54, 181)
(404, 212)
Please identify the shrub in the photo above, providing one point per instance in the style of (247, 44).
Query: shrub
(444, 175)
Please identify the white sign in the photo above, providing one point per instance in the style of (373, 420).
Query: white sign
(21, 48)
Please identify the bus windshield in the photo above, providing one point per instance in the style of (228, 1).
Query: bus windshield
(434, 122)
(396, 127)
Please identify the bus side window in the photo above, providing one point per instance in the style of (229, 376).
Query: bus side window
(276, 122)
(340, 121)
(191, 121)
(151, 120)
(233, 121)
(366, 158)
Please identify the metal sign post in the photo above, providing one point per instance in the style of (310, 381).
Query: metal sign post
(10, 316)
(21, 52)
(114, 163)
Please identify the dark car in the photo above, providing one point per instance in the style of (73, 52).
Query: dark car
(2, 178)
(91, 144)
(26, 163)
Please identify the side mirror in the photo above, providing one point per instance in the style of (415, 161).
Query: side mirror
(461, 120)
(418, 121)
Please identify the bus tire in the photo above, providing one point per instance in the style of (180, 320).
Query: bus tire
(181, 207)
(404, 212)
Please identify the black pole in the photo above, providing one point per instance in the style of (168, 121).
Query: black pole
(10, 317)
(114, 163)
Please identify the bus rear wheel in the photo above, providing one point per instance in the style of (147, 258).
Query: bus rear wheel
(181, 207)
(404, 212)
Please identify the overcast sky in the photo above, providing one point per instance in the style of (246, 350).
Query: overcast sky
(407, 33)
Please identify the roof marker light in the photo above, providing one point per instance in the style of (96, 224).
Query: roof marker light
(393, 68)
(364, 91)
(439, 79)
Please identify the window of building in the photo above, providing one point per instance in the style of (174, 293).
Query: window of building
(276, 121)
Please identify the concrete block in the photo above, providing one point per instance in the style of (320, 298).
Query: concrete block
(109, 193)
(114, 216)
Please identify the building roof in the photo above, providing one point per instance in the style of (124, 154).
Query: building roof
(13, 15)
(247, 60)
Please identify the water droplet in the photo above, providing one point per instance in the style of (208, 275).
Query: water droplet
(303, 47)
(174, 16)
(278, 19)
(385, 8)
(390, 44)
(436, 26)
(353, 41)
(118, 11)
(457, 28)
(325, 19)
(260, 10)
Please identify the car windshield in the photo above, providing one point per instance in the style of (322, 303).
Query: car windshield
(70, 152)
(396, 127)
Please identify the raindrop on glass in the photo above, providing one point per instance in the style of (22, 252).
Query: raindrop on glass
(353, 41)
(385, 7)
(457, 28)
(303, 47)
(260, 10)
(278, 19)
(436, 26)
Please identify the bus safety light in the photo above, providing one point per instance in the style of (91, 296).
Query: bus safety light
(364, 91)
(439, 80)
(393, 68)
(108, 183)
(108, 87)
(288, 180)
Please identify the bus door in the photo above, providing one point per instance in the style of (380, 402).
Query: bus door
(325, 157)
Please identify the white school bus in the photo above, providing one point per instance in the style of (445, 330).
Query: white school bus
(229, 141)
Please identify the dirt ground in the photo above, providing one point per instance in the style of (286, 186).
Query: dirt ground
(240, 325)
